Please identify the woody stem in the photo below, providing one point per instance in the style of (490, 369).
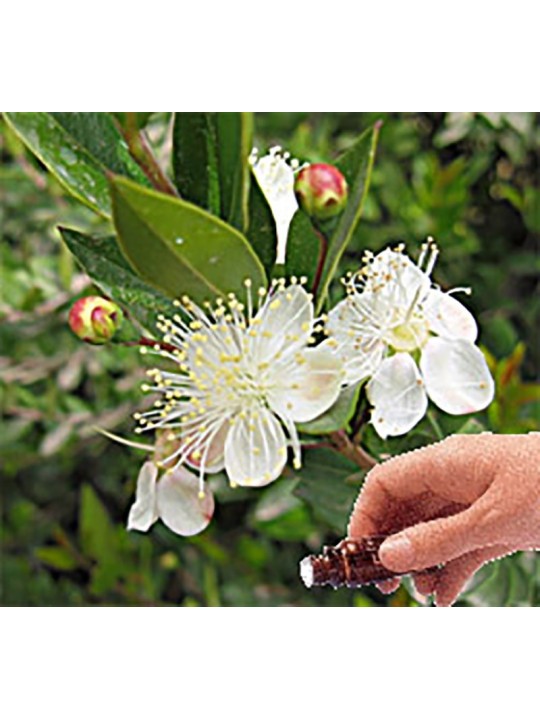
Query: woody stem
(356, 453)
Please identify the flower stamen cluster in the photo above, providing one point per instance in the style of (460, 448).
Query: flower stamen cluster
(392, 316)
(244, 373)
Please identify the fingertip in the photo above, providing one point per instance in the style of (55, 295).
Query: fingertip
(449, 587)
(442, 601)
(425, 583)
(397, 553)
(388, 586)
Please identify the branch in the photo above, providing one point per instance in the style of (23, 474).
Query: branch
(348, 449)
(142, 153)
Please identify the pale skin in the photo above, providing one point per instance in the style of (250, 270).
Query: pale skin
(456, 504)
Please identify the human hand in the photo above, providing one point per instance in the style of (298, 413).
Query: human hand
(458, 504)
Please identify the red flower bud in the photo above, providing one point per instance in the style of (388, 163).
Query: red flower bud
(321, 190)
(94, 319)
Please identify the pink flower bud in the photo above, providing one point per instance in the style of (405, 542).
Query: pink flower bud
(321, 190)
(94, 319)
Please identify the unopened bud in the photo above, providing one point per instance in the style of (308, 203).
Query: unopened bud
(321, 190)
(94, 319)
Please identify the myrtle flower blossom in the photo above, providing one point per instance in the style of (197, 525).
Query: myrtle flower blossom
(174, 498)
(392, 316)
(245, 372)
(275, 174)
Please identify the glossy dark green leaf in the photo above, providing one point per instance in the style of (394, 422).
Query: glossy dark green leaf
(79, 149)
(234, 132)
(104, 263)
(326, 486)
(336, 417)
(99, 136)
(262, 228)
(178, 247)
(195, 160)
(303, 248)
(356, 165)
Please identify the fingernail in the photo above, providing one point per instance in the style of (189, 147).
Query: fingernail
(397, 553)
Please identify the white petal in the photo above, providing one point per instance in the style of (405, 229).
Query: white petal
(448, 317)
(355, 327)
(361, 364)
(255, 449)
(276, 179)
(456, 375)
(143, 512)
(212, 453)
(359, 361)
(396, 391)
(344, 320)
(359, 317)
(179, 505)
(282, 325)
(307, 385)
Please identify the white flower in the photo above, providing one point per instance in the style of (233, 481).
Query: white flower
(275, 175)
(174, 498)
(393, 310)
(245, 372)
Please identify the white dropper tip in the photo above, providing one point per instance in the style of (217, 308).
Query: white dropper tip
(306, 572)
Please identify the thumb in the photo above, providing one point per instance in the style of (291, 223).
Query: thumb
(432, 543)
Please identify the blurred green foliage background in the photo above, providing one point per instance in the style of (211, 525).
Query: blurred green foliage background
(469, 179)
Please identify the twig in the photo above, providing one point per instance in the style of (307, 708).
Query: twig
(142, 153)
(148, 342)
(356, 453)
(320, 264)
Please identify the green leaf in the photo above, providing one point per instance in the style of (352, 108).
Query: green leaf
(472, 426)
(96, 531)
(281, 515)
(356, 165)
(58, 558)
(326, 486)
(262, 228)
(180, 248)
(234, 132)
(195, 161)
(336, 417)
(104, 263)
(510, 582)
(303, 248)
(100, 540)
(79, 149)
(98, 135)
(526, 393)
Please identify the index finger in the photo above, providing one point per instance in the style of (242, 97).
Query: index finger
(432, 478)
